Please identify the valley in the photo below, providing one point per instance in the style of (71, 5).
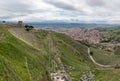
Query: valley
(46, 55)
(59, 40)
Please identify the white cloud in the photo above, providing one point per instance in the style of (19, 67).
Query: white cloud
(67, 10)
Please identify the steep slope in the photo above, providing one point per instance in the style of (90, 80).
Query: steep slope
(19, 61)
(22, 60)
(60, 44)
(27, 37)
(35, 55)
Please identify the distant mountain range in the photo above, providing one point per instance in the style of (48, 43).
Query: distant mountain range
(69, 24)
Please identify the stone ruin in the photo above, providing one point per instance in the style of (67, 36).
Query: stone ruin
(59, 76)
(89, 76)
(20, 23)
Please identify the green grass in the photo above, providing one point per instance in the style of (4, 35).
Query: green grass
(117, 50)
(73, 54)
(115, 34)
(107, 75)
(105, 57)
(13, 53)
(70, 49)
(22, 62)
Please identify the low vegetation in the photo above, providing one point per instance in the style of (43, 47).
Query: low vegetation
(117, 50)
(20, 61)
(28, 28)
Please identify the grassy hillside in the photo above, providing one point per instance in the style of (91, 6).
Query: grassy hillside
(20, 61)
(114, 34)
(105, 57)
(33, 55)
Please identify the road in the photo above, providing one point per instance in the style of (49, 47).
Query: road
(101, 65)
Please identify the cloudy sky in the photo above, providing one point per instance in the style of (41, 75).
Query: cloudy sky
(61, 10)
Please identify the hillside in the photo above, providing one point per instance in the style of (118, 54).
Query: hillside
(34, 55)
(23, 62)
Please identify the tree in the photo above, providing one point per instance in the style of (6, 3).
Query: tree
(91, 53)
(28, 28)
(3, 21)
(31, 27)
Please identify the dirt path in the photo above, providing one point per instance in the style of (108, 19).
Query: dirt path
(101, 65)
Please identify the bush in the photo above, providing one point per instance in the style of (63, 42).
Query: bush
(28, 28)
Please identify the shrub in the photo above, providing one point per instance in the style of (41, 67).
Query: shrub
(28, 28)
